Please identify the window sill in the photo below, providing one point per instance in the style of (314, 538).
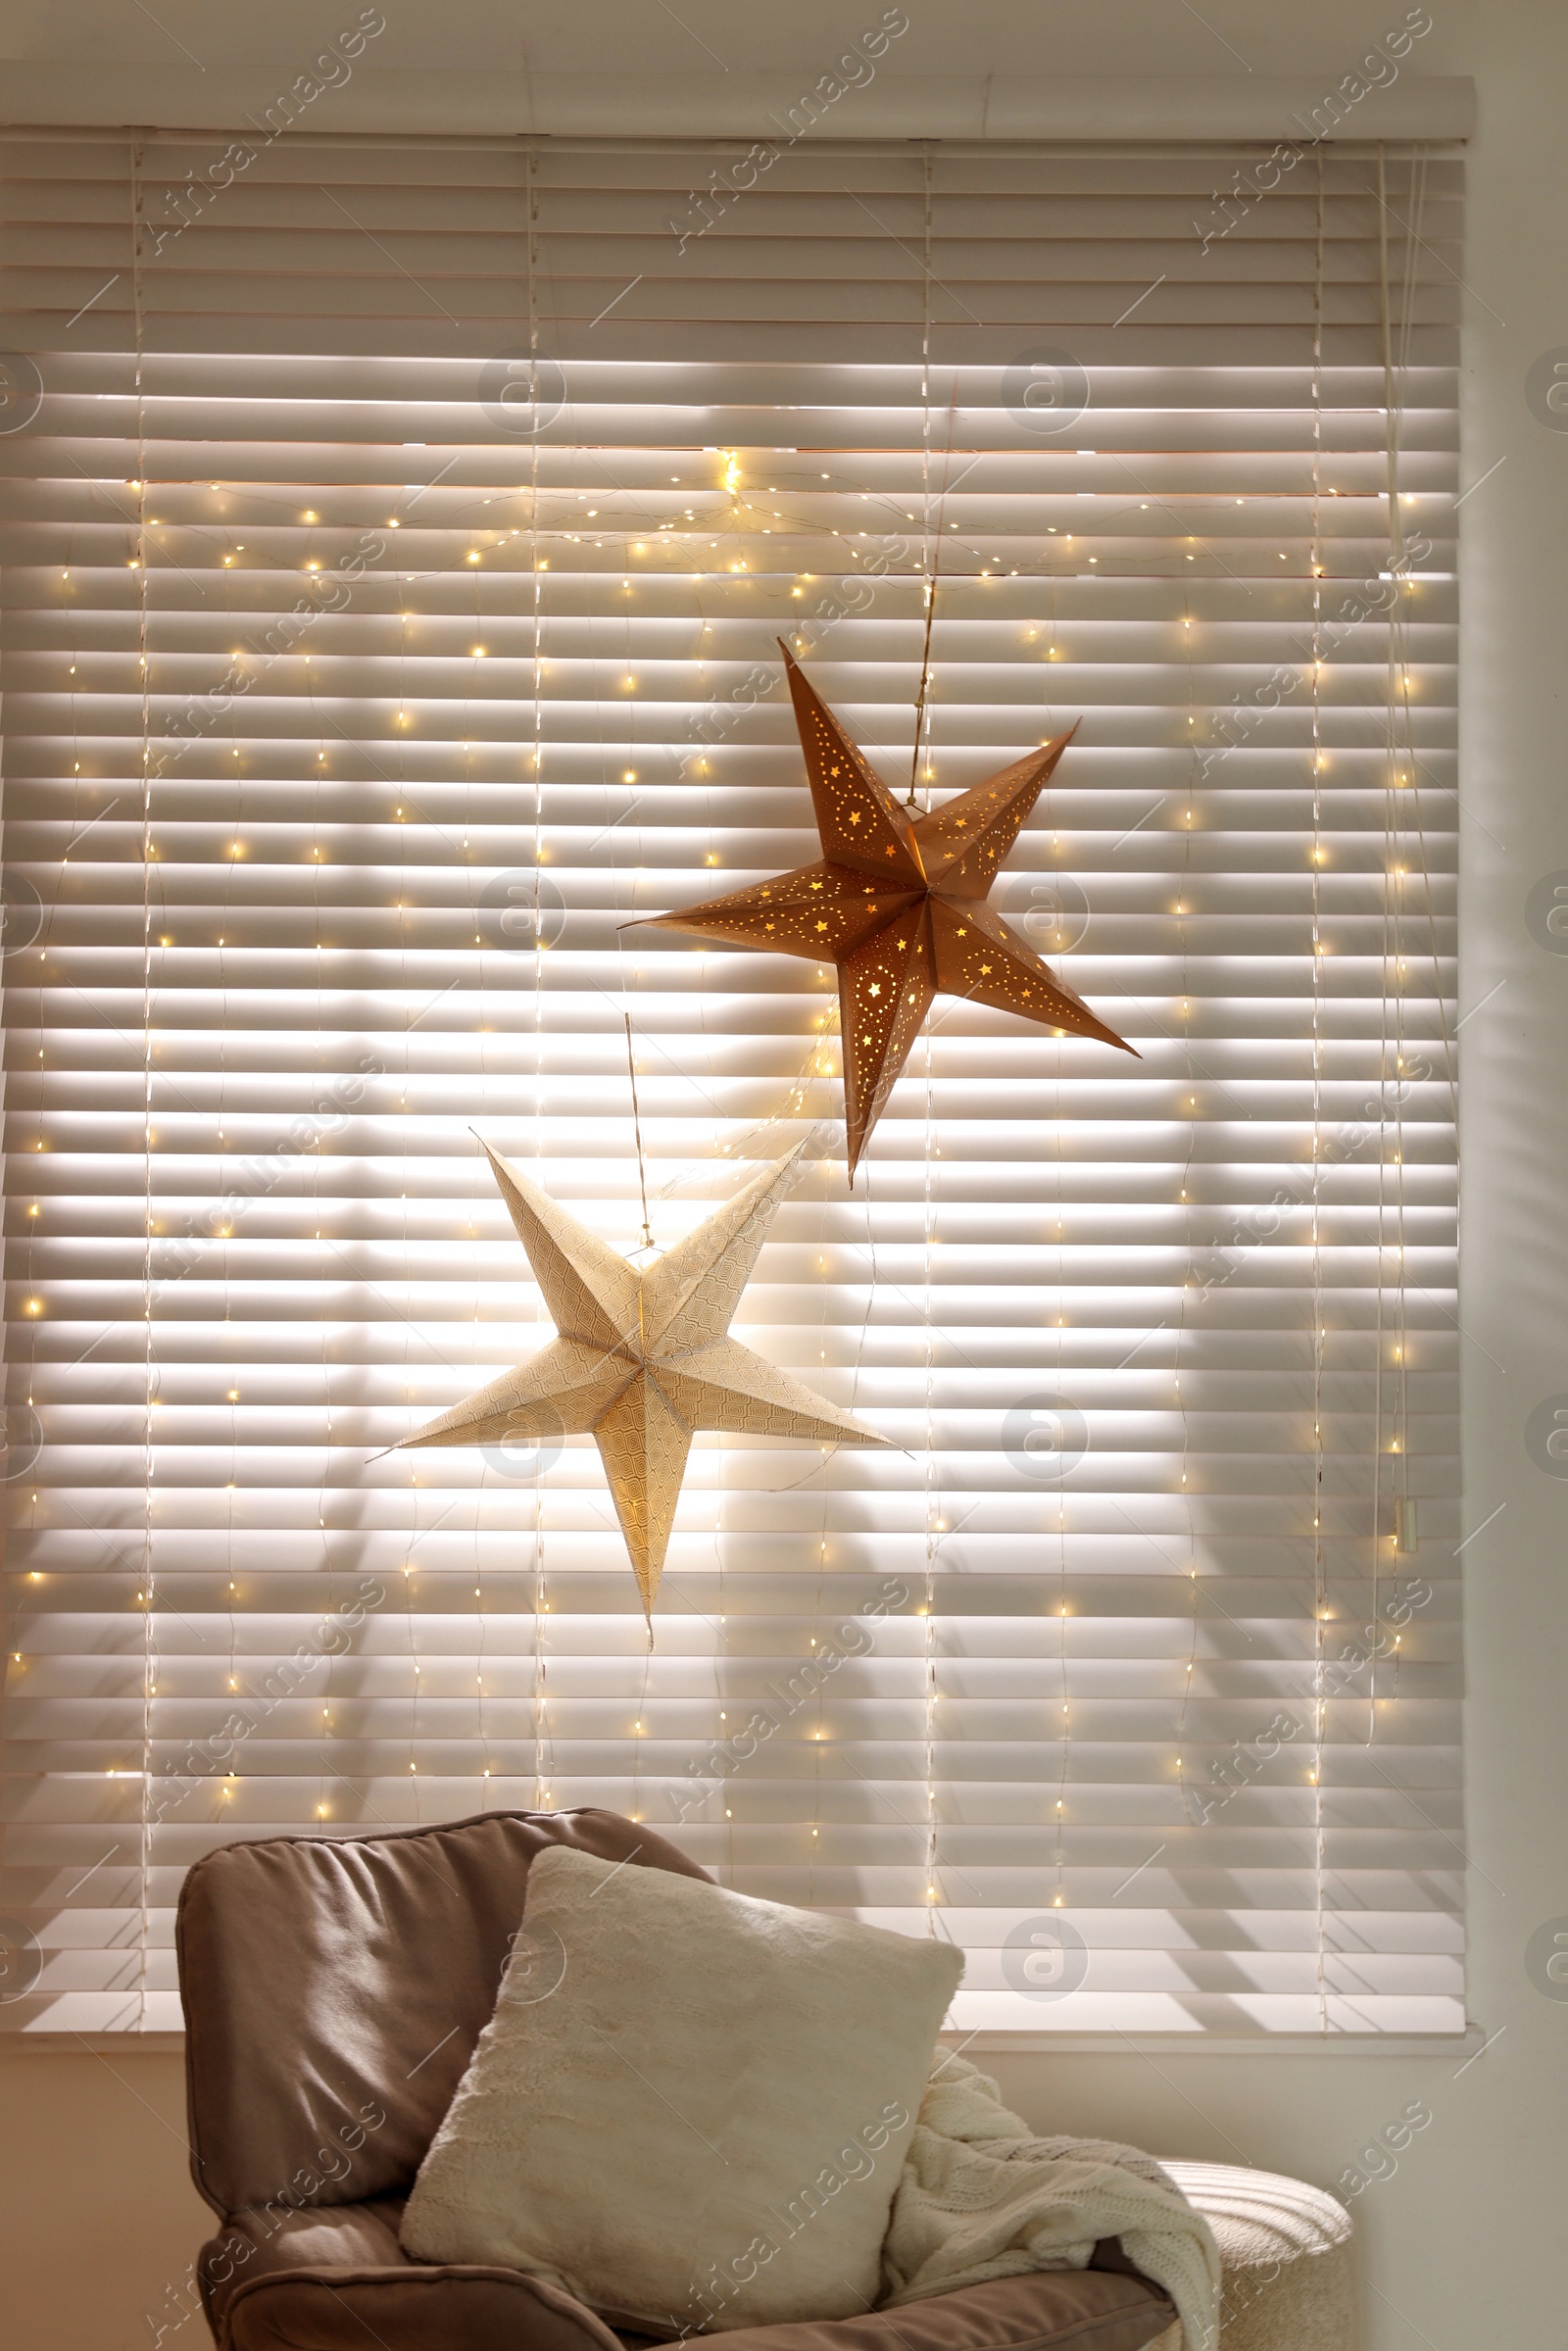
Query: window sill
(1018, 2044)
(1466, 2045)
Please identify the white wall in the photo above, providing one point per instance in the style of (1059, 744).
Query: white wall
(97, 2218)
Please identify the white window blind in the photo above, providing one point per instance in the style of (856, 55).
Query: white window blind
(396, 536)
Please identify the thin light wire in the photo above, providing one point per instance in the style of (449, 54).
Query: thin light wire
(1058, 1815)
(1401, 764)
(933, 1507)
(543, 1751)
(1393, 965)
(1181, 1335)
(1319, 1583)
(147, 1596)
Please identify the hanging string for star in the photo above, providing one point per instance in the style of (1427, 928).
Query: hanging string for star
(637, 1130)
(935, 544)
(925, 674)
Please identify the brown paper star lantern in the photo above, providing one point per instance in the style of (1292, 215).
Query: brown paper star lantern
(644, 1358)
(898, 904)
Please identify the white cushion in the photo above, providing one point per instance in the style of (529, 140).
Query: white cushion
(703, 2123)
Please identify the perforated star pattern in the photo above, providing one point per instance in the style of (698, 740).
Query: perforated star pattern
(898, 904)
(644, 1358)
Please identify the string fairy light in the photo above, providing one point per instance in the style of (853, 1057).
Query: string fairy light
(1406, 874)
(930, 1492)
(1186, 1224)
(1061, 1730)
(147, 1593)
(543, 1752)
(1320, 1613)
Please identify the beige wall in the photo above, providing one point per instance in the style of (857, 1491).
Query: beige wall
(98, 2217)
(96, 2211)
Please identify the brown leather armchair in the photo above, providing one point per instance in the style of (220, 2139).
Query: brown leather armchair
(335, 1989)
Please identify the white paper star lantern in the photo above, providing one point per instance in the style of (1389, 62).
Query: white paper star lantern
(644, 1358)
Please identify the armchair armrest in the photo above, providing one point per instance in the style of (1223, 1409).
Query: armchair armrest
(334, 2277)
(1041, 2310)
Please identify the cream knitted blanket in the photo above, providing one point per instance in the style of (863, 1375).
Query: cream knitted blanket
(980, 2197)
